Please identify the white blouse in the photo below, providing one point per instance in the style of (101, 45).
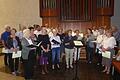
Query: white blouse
(100, 39)
(56, 38)
(95, 32)
(109, 43)
(29, 41)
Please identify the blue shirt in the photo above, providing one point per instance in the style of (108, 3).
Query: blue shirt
(15, 43)
(5, 36)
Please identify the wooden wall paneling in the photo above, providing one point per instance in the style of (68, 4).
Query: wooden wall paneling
(105, 7)
(86, 10)
(105, 11)
(82, 10)
(63, 9)
(89, 9)
(79, 9)
(58, 7)
(51, 21)
(112, 6)
(93, 9)
(82, 26)
(73, 9)
(40, 7)
(107, 21)
(74, 5)
(103, 21)
(94, 6)
(61, 14)
(67, 8)
(70, 10)
(48, 8)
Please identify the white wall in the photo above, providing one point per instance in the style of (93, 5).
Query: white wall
(116, 18)
(15, 12)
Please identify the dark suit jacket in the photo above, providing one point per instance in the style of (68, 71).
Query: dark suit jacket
(25, 49)
(10, 43)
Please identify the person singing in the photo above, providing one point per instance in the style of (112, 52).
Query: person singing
(55, 45)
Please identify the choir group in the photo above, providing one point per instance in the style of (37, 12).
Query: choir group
(52, 44)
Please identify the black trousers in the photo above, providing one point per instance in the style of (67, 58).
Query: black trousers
(29, 65)
(13, 63)
(116, 51)
(6, 62)
(99, 56)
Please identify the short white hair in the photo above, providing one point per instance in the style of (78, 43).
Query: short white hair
(54, 30)
(26, 33)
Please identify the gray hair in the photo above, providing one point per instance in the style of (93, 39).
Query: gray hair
(26, 33)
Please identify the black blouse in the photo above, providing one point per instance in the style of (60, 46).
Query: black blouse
(44, 39)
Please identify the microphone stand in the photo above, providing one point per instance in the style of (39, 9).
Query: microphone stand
(76, 68)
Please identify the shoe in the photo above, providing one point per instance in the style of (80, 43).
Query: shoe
(98, 64)
(58, 66)
(67, 67)
(53, 67)
(104, 71)
(13, 73)
(18, 72)
(46, 71)
(71, 66)
(43, 73)
(89, 62)
(107, 72)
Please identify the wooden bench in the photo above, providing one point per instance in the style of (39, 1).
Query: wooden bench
(116, 69)
(116, 65)
(1, 46)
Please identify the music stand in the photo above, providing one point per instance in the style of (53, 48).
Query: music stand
(78, 44)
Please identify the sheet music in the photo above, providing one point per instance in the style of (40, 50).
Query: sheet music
(39, 44)
(78, 43)
(106, 54)
(94, 41)
(29, 41)
(16, 54)
(4, 50)
(33, 46)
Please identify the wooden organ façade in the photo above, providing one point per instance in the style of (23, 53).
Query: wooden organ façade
(76, 14)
